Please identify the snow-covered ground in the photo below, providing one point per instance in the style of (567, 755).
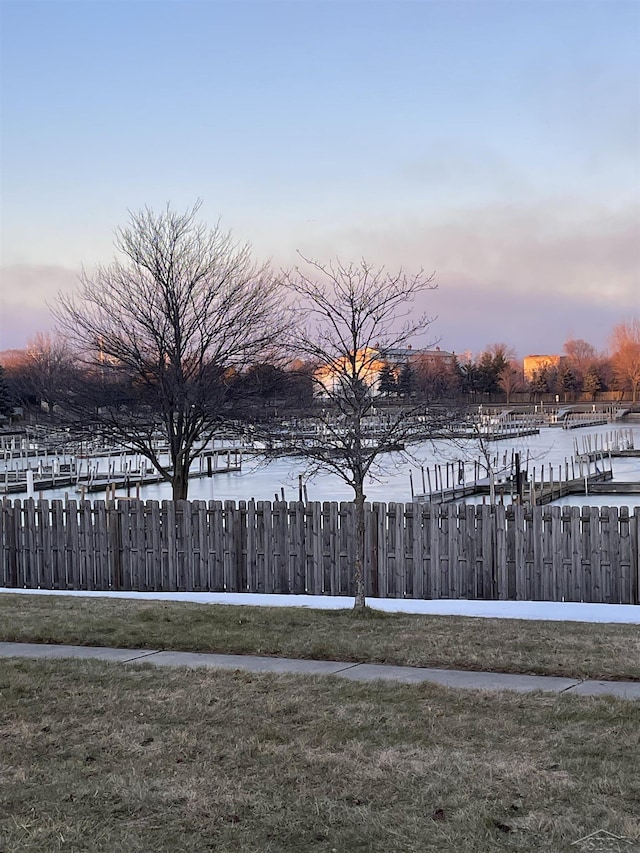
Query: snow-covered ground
(542, 610)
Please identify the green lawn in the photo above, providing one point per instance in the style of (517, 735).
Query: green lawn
(574, 649)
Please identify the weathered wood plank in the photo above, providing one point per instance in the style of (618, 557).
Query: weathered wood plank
(317, 587)
(71, 546)
(44, 544)
(153, 547)
(634, 535)
(501, 572)
(29, 544)
(380, 555)
(624, 556)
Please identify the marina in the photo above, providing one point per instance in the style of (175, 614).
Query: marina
(556, 465)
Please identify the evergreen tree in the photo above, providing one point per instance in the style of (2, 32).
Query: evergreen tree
(387, 381)
(539, 382)
(592, 382)
(406, 381)
(6, 403)
(567, 380)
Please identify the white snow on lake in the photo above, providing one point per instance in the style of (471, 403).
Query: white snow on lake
(552, 446)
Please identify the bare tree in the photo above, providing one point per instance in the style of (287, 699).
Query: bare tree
(625, 344)
(354, 319)
(510, 378)
(161, 332)
(581, 355)
(46, 371)
(436, 378)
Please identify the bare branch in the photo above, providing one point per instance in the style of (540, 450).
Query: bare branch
(352, 318)
(159, 329)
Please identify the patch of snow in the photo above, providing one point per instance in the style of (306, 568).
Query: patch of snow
(555, 611)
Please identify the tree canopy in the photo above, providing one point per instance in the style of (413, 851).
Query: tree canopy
(161, 330)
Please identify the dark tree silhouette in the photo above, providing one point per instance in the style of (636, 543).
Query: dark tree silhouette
(351, 316)
(163, 332)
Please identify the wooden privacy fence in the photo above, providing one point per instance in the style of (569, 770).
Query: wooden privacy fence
(412, 550)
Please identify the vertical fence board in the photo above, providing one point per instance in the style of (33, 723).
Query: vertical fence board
(624, 556)
(169, 545)
(502, 578)
(316, 588)
(417, 581)
(614, 555)
(345, 544)
(399, 568)
(252, 545)
(541, 587)
(229, 552)
(453, 552)
(44, 545)
(266, 546)
(15, 540)
(332, 555)
(468, 531)
(518, 522)
(240, 542)
(489, 577)
(280, 547)
(71, 546)
(605, 555)
(153, 547)
(585, 553)
(577, 568)
(215, 557)
(29, 544)
(635, 556)
(598, 590)
(298, 566)
(57, 545)
(634, 536)
(380, 554)
(434, 542)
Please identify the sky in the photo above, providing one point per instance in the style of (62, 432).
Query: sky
(496, 144)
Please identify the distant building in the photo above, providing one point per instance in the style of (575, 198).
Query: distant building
(535, 363)
(371, 360)
(368, 364)
(436, 357)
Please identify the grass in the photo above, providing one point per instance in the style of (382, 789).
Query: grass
(573, 649)
(98, 758)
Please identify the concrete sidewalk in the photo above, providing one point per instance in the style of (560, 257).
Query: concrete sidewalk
(352, 671)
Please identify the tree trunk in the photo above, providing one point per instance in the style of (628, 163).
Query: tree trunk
(358, 574)
(180, 483)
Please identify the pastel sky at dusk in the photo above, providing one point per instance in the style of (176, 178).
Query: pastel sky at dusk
(495, 143)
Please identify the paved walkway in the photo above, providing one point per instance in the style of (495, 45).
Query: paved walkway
(351, 671)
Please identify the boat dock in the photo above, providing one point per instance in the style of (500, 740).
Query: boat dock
(91, 475)
(578, 476)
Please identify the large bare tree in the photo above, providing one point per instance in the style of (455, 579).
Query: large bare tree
(581, 355)
(354, 318)
(45, 371)
(625, 344)
(510, 378)
(162, 329)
